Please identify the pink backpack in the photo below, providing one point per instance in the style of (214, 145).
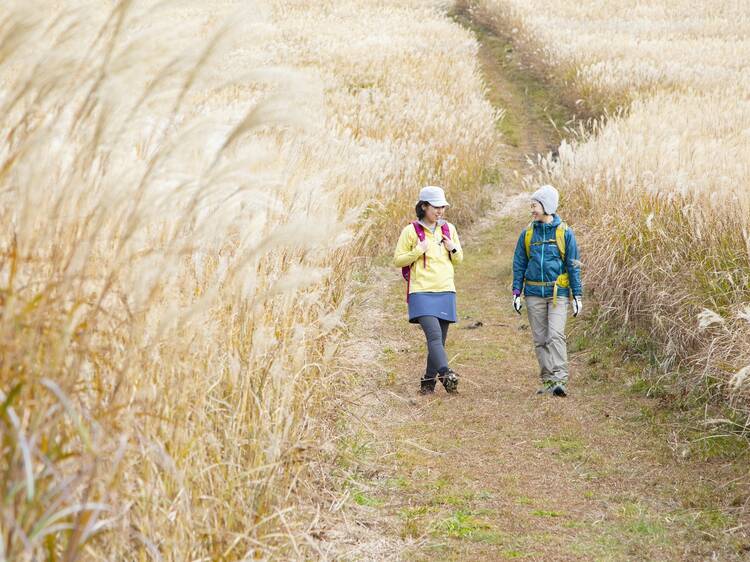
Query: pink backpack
(419, 229)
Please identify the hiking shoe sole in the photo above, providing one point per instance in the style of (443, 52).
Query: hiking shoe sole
(450, 382)
(559, 390)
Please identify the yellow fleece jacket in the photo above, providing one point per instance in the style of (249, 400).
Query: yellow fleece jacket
(438, 275)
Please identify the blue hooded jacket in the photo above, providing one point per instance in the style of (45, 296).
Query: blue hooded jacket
(545, 263)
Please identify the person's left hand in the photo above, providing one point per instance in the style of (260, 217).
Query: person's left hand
(448, 244)
(577, 305)
(517, 303)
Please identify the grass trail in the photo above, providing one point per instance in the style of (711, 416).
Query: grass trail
(498, 472)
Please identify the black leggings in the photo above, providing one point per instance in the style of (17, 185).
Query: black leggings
(435, 331)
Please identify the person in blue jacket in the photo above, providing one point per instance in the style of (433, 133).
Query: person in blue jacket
(546, 270)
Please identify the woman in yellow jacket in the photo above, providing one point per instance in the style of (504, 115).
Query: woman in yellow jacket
(427, 250)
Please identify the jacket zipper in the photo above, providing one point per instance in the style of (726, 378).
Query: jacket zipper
(544, 237)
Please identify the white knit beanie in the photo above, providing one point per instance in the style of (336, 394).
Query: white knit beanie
(548, 198)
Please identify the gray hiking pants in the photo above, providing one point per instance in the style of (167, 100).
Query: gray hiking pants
(547, 322)
(435, 331)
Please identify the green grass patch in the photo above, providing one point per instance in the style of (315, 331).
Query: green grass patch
(640, 385)
(579, 343)
(354, 449)
(723, 446)
(489, 537)
(546, 513)
(413, 523)
(361, 498)
(451, 500)
(644, 526)
(638, 521)
(569, 446)
(710, 521)
(398, 483)
(442, 483)
(509, 128)
(463, 524)
(713, 520)
(514, 554)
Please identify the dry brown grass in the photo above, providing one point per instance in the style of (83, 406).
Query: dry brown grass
(178, 227)
(498, 472)
(659, 186)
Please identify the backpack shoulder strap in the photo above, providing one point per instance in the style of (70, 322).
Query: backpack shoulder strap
(527, 238)
(445, 229)
(419, 229)
(560, 238)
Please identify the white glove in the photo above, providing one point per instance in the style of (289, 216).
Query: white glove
(423, 245)
(517, 304)
(577, 305)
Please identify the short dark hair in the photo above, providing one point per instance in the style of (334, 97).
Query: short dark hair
(419, 209)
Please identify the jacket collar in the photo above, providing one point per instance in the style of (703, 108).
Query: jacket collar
(556, 220)
(439, 224)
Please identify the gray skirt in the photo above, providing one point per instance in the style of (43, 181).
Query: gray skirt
(440, 305)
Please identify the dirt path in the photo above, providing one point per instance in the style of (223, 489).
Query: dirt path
(498, 472)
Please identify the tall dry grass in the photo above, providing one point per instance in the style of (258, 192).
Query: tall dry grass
(661, 187)
(184, 189)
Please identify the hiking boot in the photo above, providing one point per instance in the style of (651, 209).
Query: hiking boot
(547, 387)
(559, 390)
(427, 384)
(450, 381)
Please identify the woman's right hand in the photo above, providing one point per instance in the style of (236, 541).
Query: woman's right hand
(423, 245)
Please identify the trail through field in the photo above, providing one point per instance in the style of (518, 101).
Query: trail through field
(498, 472)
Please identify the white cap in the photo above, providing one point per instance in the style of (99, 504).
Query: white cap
(434, 195)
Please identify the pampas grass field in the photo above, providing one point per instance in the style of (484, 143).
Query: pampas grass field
(660, 187)
(185, 188)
